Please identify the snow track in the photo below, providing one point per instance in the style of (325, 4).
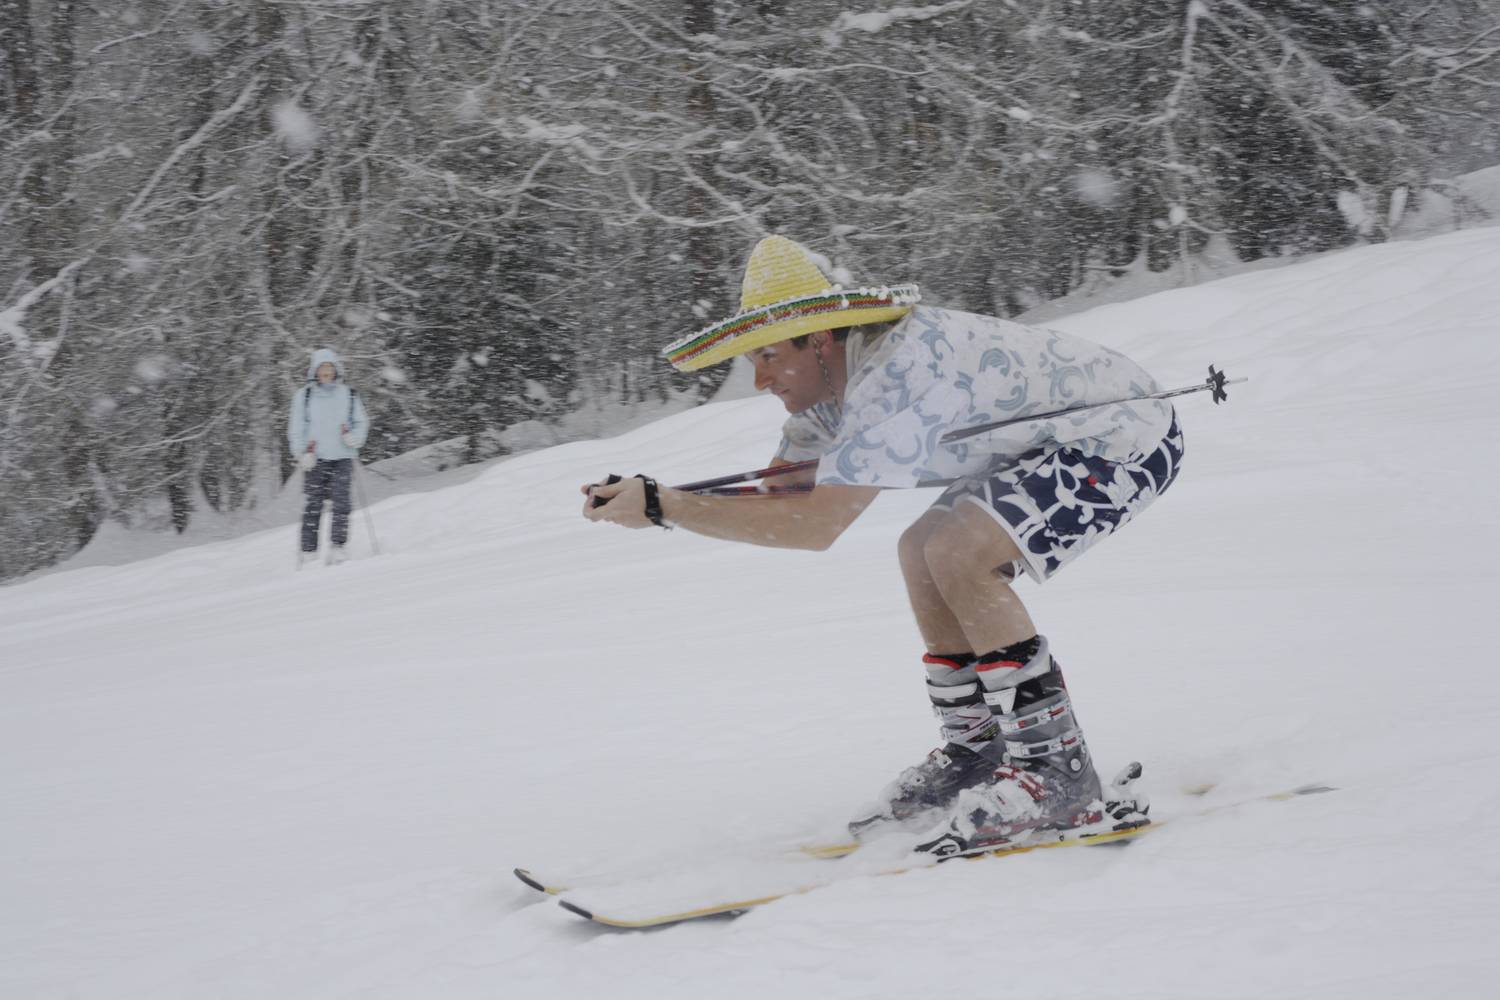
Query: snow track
(226, 779)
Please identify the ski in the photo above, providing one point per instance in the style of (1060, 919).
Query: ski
(617, 905)
(842, 848)
(580, 904)
(538, 883)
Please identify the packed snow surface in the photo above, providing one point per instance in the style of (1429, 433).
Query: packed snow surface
(225, 778)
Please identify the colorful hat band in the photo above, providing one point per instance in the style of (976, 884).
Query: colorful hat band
(719, 336)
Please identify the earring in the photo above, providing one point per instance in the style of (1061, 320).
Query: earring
(827, 379)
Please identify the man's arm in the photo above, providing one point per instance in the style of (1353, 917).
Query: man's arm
(803, 521)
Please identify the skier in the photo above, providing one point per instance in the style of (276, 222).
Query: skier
(325, 429)
(872, 380)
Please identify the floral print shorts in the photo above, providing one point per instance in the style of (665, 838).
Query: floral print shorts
(1057, 504)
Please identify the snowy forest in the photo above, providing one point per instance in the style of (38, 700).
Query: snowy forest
(500, 210)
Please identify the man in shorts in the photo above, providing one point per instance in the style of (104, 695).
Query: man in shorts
(872, 381)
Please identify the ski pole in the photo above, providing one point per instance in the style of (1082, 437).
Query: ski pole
(797, 490)
(745, 477)
(1215, 383)
(711, 487)
(726, 485)
(300, 518)
(364, 504)
(754, 491)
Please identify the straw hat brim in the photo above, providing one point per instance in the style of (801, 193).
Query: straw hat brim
(759, 327)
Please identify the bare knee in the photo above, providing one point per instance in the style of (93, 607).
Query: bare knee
(916, 541)
(967, 548)
(949, 563)
(911, 547)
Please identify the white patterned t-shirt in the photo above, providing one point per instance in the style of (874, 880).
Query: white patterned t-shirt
(940, 370)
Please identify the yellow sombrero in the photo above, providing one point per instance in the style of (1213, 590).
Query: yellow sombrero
(785, 295)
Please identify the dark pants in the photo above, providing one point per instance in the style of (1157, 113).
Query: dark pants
(326, 481)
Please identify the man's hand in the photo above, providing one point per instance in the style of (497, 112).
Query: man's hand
(308, 458)
(623, 503)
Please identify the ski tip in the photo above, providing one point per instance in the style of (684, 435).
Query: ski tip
(1312, 790)
(575, 908)
(830, 850)
(526, 877)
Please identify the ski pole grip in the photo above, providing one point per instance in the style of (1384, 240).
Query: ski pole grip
(609, 480)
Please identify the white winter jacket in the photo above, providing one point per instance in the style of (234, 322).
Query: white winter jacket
(320, 413)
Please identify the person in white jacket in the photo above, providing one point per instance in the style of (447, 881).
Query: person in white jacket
(325, 429)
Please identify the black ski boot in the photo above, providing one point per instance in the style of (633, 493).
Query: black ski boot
(921, 792)
(1045, 779)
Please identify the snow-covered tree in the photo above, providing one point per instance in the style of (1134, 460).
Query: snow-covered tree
(498, 211)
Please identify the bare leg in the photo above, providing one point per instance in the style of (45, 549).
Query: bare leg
(949, 562)
(965, 553)
(940, 629)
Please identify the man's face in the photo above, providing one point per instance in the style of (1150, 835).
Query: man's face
(790, 373)
(327, 373)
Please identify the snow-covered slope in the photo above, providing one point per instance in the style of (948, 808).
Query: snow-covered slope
(226, 779)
